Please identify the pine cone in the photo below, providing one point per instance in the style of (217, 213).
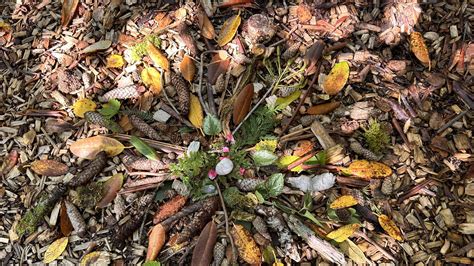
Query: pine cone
(286, 91)
(248, 184)
(220, 83)
(120, 93)
(98, 119)
(183, 93)
(143, 127)
(67, 81)
(93, 169)
(291, 51)
(387, 186)
(219, 253)
(143, 164)
(367, 154)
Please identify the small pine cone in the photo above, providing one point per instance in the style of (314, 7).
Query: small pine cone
(343, 214)
(220, 83)
(98, 119)
(248, 184)
(120, 93)
(367, 154)
(286, 91)
(291, 51)
(93, 169)
(183, 93)
(308, 119)
(67, 81)
(144, 128)
(143, 164)
(387, 186)
(261, 227)
(175, 138)
(161, 126)
(219, 254)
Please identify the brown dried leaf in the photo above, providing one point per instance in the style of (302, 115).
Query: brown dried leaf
(64, 222)
(367, 169)
(337, 78)
(158, 58)
(170, 208)
(156, 240)
(203, 251)
(419, 49)
(322, 109)
(49, 167)
(242, 104)
(88, 148)
(312, 56)
(98, 46)
(219, 65)
(110, 190)
(390, 227)
(187, 68)
(9, 162)
(67, 11)
(207, 30)
(246, 245)
(57, 125)
(229, 29)
(303, 147)
(163, 20)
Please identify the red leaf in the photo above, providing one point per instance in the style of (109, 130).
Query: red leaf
(242, 104)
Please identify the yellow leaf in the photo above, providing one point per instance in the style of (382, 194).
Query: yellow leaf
(246, 245)
(267, 145)
(4, 26)
(353, 252)
(187, 68)
(367, 169)
(55, 250)
(337, 78)
(96, 258)
(152, 78)
(390, 227)
(229, 29)
(343, 202)
(343, 233)
(419, 49)
(195, 115)
(158, 58)
(82, 106)
(286, 160)
(115, 61)
(88, 148)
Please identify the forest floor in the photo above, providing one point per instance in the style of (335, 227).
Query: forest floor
(236, 132)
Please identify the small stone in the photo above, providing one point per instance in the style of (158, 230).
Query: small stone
(224, 167)
(161, 116)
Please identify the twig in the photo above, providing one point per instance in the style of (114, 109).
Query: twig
(462, 250)
(227, 231)
(201, 70)
(456, 118)
(148, 173)
(463, 95)
(300, 137)
(294, 133)
(400, 131)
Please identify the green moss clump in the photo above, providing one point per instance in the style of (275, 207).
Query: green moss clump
(31, 219)
(89, 195)
(376, 136)
(237, 200)
(139, 50)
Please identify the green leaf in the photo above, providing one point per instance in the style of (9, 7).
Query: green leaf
(152, 263)
(211, 126)
(320, 158)
(110, 109)
(143, 148)
(275, 184)
(259, 197)
(263, 158)
(311, 217)
(282, 103)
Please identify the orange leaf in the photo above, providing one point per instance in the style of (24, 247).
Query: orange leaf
(207, 30)
(67, 11)
(367, 169)
(203, 251)
(419, 49)
(343, 202)
(390, 227)
(156, 240)
(246, 245)
(49, 167)
(110, 190)
(242, 104)
(163, 20)
(219, 64)
(229, 29)
(303, 147)
(322, 109)
(187, 68)
(169, 208)
(337, 78)
(64, 222)
(158, 58)
(88, 148)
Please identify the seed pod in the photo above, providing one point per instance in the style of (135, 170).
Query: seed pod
(248, 184)
(142, 163)
(98, 119)
(367, 154)
(143, 127)
(286, 91)
(169, 208)
(183, 93)
(120, 93)
(77, 221)
(93, 169)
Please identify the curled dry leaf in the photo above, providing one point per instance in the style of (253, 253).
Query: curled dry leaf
(96, 258)
(246, 245)
(83, 106)
(55, 249)
(88, 148)
(187, 68)
(64, 223)
(343, 233)
(67, 11)
(229, 29)
(219, 65)
(343, 202)
(390, 227)
(49, 167)
(98, 46)
(322, 109)
(152, 78)
(337, 78)
(203, 251)
(195, 114)
(110, 190)
(419, 49)
(158, 58)
(367, 169)
(115, 61)
(207, 30)
(242, 104)
(9, 162)
(156, 240)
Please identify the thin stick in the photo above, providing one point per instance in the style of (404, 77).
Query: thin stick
(400, 131)
(462, 250)
(300, 137)
(456, 118)
(294, 133)
(201, 70)
(227, 231)
(154, 143)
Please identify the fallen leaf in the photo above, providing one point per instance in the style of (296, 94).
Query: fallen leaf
(55, 249)
(390, 227)
(343, 233)
(115, 61)
(203, 251)
(286, 160)
(304, 13)
(88, 148)
(337, 78)
(219, 65)
(187, 68)
(353, 252)
(67, 11)
(343, 202)
(242, 104)
(96, 258)
(64, 223)
(110, 190)
(419, 49)
(57, 125)
(312, 57)
(322, 109)
(158, 58)
(156, 240)
(49, 167)
(144, 148)
(98, 46)
(163, 20)
(246, 245)
(195, 114)
(9, 162)
(207, 30)
(303, 147)
(211, 125)
(282, 103)
(110, 108)
(228, 30)
(82, 106)
(367, 169)
(152, 78)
